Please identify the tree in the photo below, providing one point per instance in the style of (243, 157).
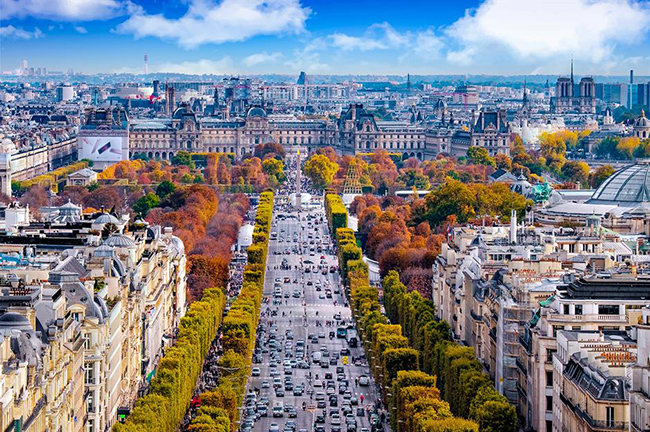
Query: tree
(626, 146)
(273, 167)
(165, 188)
(577, 172)
(601, 174)
(183, 158)
(320, 170)
(146, 203)
(273, 149)
(451, 198)
(503, 162)
(414, 178)
(480, 156)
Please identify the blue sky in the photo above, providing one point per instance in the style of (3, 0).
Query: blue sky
(328, 36)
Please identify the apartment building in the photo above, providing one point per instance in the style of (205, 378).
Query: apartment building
(105, 297)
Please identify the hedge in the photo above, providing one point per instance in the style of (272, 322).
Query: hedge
(337, 215)
(460, 377)
(412, 396)
(239, 331)
(53, 178)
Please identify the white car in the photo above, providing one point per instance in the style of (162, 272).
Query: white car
(256, 372)
(364, 380)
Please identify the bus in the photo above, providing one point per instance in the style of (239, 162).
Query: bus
(341, 332)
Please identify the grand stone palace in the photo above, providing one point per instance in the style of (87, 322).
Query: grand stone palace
(356, 131)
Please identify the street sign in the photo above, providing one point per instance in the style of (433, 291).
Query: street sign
(344, 360)
(311, 408)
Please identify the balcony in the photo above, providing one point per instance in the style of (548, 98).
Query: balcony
(594, 424)
(555, 317)
(521, 367)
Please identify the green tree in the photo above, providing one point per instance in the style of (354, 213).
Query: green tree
(575, 171)
(450, 198)
(165, 188)
(413, 178)
(183, 158)
(480, 156)
(607, 147)
(146, 203)
(273, 167)
(320, 170)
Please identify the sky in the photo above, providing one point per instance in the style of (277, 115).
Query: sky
(379, 37)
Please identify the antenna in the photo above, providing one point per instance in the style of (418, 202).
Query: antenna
(146, 64)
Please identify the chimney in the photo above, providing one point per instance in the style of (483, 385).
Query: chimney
(513, 226)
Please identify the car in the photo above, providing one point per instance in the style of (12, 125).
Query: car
(293, 414)
(364, 381)
(274, 427)
(256, 372)
(319, 429)
(298, 391)
(345, 351)
(320, 418)
(347, 395)
(321, 335)
(361, 412)
(336, 419)
(334, 402)
(266, 384)
(279, 392)
(321, 404)
(354, 400)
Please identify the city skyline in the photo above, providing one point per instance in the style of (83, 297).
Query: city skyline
(287, 36)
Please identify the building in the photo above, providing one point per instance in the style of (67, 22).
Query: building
(104, 136)
(641, 128)
(82, 177)
(621, 203)
(640, 385)
(572, 98)
(590, 382)
(103, 303)
(491, 131)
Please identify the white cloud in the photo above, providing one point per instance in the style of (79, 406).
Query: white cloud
(11, 32)
(80, 29)
(63, 10)
(533, 29)
(225, 21)
(427, 44)
(259, 58)
(379, 36)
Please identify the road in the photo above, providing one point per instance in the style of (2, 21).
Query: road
(287, 322)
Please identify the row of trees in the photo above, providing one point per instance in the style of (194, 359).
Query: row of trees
(163, 408)
(411, 395)
(460, 377)
(382, 172)
(219, 410)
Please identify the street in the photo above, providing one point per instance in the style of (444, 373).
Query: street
(297, 344)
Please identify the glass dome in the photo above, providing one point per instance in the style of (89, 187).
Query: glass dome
(627, 186)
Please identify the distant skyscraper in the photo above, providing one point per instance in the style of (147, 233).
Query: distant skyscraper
(302, 79)
(24, 67)
(146, 64)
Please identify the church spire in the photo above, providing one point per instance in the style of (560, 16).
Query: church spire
(571, 70)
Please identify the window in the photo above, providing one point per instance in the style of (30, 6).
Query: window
(608, 310)
(578, 310)
(549, 425)
(566, 309)
(549, 378)
(549, 403)
(610, 416)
